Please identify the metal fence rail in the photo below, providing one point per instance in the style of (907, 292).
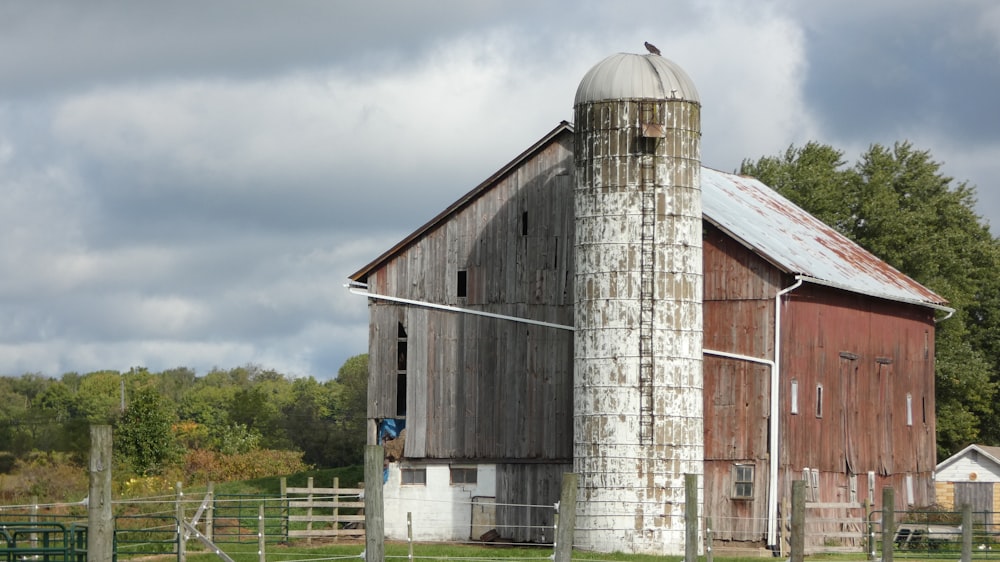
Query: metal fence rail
(236, 518)
(47, 541)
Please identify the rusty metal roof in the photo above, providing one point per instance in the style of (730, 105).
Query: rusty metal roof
(799, 243)
(756, 216)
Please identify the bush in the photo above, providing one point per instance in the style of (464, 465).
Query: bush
(49, 477)
(204, 466)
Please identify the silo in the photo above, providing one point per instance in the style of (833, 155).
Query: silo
(638, 422)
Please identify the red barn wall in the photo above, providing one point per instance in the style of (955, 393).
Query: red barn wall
(866, 354)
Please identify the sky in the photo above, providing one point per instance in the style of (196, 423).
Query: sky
(190, 183)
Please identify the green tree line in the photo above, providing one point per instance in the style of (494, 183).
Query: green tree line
(895, 202)
(160, 417)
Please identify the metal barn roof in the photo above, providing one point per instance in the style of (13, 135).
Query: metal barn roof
(798, 242)
(756, 216)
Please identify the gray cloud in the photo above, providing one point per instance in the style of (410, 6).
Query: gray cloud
(191, 184)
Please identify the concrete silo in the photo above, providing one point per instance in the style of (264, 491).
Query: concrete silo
(638, 422)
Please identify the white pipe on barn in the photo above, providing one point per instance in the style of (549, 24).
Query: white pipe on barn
(772, 496)
(357, 291)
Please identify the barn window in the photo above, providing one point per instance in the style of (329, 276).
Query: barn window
(819, 400)
(871, 487)
(463, 284)
(909, 409)
(524, 223)
(814, 483)
(909, 489)
(794, 396)
(413, 476)
(923, 408)
(743, 481)
(464, 475)
(401, 395)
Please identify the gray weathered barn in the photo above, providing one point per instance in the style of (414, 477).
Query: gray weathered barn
(606, 305)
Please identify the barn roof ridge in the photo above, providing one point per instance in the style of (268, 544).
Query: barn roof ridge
(761, 219)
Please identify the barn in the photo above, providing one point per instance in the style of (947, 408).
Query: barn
(605, 305)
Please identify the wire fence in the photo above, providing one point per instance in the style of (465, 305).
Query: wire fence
(258, 527)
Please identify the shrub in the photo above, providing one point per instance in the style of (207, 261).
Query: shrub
(203, 465)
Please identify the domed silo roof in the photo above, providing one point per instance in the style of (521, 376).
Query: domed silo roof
(632, 76)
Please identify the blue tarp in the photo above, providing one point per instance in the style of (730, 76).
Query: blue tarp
(389, 428)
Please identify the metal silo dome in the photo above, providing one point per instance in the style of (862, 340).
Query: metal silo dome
(632, 76)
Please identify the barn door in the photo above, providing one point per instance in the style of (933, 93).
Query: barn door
(977, 494)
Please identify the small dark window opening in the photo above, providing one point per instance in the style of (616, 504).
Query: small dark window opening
(464, 475)
(401, 371)
(819, 400)
(524, 223)
(401, 355)
(463, 283)
(923, 408)
(401, 394)
(414, 476)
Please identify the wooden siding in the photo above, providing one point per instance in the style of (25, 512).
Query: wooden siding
(479, 387)
(739, 318)
(867, 354)
(526, 497)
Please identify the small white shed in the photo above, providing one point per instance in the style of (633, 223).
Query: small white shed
(971, 476)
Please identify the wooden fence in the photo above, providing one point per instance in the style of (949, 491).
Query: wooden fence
(325, 512)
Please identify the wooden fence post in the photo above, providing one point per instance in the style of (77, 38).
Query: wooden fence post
(567, 518)
(798, 542)
(709, 557)
(336, 506)
(181, 543)
(309, 510)
(374, 506)
(888, 522)
(967, 533)
(210, 513)
(409, 536)
(691, 522)
(285, 512)
(34, 519)
(100, 523)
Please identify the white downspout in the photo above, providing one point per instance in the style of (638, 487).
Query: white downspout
(772, 492)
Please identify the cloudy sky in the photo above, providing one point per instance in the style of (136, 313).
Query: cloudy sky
(190, 183)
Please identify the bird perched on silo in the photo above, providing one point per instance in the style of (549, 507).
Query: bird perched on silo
(651, 48)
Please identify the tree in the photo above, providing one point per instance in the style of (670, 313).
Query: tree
(352, 408)
(144, 437)
(896, 203)
(309, 422)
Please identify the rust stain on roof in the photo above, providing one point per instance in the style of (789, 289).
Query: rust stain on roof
(755, 215)
(798, 242)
